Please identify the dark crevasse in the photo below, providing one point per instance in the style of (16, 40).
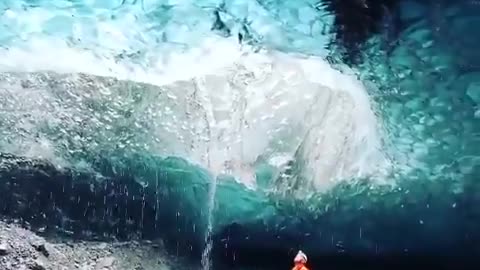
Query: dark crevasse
(81, 206)
(420, 63)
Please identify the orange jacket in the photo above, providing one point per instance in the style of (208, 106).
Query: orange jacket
(300, 266)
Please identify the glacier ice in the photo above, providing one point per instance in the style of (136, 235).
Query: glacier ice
(224, 121)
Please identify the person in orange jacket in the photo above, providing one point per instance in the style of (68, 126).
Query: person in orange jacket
(300, 260)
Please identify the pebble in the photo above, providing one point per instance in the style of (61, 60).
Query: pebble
(40, 247)
(106, 262)
(38, 264)
(4, 249)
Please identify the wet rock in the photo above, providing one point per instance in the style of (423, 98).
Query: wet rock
(41, 247)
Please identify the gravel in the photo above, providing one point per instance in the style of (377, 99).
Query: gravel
(22, 249)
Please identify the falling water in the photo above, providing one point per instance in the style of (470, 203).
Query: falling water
(206, 261)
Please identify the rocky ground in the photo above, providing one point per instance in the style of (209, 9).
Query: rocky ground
(21, 249)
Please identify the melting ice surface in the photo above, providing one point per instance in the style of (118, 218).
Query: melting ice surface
(134, 81)
(217, 103)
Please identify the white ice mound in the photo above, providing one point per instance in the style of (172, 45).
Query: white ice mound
(249, 106)
(159, 81)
